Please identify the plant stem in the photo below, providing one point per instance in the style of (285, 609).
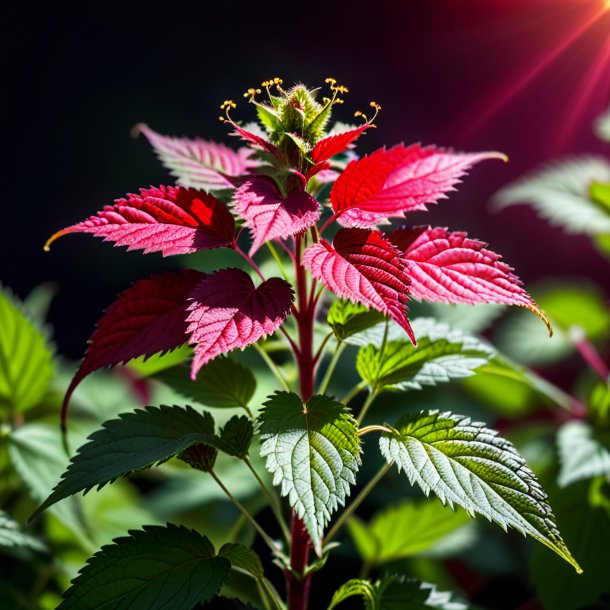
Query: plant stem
(331, 367)
(588, 352)
(249, 260)
(365, 407)
(347, 513)
(273, 503)
(277, 259)
(353, 392)
(272, 366)
(263, 534)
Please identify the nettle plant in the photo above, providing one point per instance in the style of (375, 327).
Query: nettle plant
(311, 441)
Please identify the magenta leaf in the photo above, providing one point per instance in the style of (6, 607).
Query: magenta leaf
(335, 144)
(148, 318)
(449, 267)
(366, 268)
(198, 163)
(270, 215)
(256, 140)
(168, 219)
(228, 312)
(389, 183)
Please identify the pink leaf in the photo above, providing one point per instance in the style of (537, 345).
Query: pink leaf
(389, 183)
(451, 268)
(148, 318)
(256, 140)
(333, 145)
(168, 219)
(366, 268)
(228, 312)
(269, 214)
(198, 163)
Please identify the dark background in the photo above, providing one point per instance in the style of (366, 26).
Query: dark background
(76, 77)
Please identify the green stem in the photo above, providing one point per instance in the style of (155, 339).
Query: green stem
(273, 594)
(277, 259)
(331, 367)
(365, 407)
(262, 594)
(347, 513)
(353, 393)
(272, 366)
(263, 534)
(272, 498)
(373, 428)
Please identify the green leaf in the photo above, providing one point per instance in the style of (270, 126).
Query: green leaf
(347, 318)
(12, 536)
(313, 453)
(25, 358)
(467, 464)
(442, 354)
(236, 436)
(160, 567)
(147, 367)
(560, 194)
(587, 530)
(600, 193)
(242, 557)
(396, 592)
(404, 530)
(599, 405)
(583, 453)
(222, 383)
(268, 117)
(133, 442)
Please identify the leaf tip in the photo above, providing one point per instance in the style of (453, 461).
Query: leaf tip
(138, 129)
(57, 235)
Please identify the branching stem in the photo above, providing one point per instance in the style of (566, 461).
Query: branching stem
(272, 366)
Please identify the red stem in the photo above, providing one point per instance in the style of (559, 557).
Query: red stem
(297, 584)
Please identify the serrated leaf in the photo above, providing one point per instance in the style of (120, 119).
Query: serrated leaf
(583, 454)
(198, 163)
(168, 219)
(25, 358)
(160, 567)
(268, 117)
(148, 318)
(389, 183)
(449, 267)
(242, 557)
(442, 354)
(221, 383)
(347, 318)
(364, 267)
(269, 214)
(334, 144)
(559, 193)
(404, 530)
(396, 592)
(236, 436)
(134, 441)
(313, 453)
(12, 536)
(228, 312)
(467, 464)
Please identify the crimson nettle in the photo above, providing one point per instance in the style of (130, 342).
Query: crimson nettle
(296, 182)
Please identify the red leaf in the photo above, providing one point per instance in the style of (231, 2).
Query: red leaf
(168, 219)
(270, 215)
(451, 268)
(228, 311)
(333, 145)
(366, 268)
(389, 183)
(148, 318)
(198, 163)
(255, 139)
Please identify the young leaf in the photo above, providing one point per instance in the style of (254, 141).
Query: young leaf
(313, 453)
(148, 318)
(582, 453)
(167, 219)
(335, 144)
(451, 268)
(197, 163)
(228, 312)
(134, 441)
(389, 183)
(404, 530)
(467, 464)
(396, 592)
(236, 436)
(347, 318)
(271, 215)
(221, 383)
(242, 557)
(365, 268)
(11, 536)
(168, 567)
(25, 358)
(559, 193)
